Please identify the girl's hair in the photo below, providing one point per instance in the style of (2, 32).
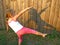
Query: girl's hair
(9, 14)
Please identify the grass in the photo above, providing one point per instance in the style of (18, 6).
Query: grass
(10, 38)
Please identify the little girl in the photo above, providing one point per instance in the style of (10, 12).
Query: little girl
(18, 28)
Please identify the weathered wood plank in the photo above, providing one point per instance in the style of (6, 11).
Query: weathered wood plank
(52, 12)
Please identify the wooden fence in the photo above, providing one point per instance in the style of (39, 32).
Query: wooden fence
(44, 12)
(1, 15)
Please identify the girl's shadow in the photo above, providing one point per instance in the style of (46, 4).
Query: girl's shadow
(35, 16)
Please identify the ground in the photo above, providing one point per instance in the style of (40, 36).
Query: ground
(10, 38)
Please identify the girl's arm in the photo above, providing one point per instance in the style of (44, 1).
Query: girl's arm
(20, 13)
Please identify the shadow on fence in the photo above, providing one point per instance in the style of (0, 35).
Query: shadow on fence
(42, 25)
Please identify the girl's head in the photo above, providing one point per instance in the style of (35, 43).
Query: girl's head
(9, 14)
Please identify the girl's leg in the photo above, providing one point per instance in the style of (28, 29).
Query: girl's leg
(25, 30)
(19, 43)
(19, 40)
(31, 31)
(39, 33)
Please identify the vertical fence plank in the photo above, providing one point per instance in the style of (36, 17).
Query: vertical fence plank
(1, 15)
(58, 21)
(11, 4)
(4, 11)
(18, 5)
(47, 10)
(46, 13)
(21, 7)
(56, 13)
(43, 6)
(26, 16)
(35, 5)
(30, 3)
(43, 14)
(39, 3)
(52, 12)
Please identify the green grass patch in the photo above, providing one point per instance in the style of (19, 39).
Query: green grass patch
(10, 38)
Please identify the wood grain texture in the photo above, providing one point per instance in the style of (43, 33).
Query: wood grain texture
(50, 15)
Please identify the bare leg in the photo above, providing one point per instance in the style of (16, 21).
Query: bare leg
(31, 31)
(28, 31)
(19, 43)
(39, 33)
(19, 40)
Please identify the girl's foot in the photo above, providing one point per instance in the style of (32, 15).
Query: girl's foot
(44, 35)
